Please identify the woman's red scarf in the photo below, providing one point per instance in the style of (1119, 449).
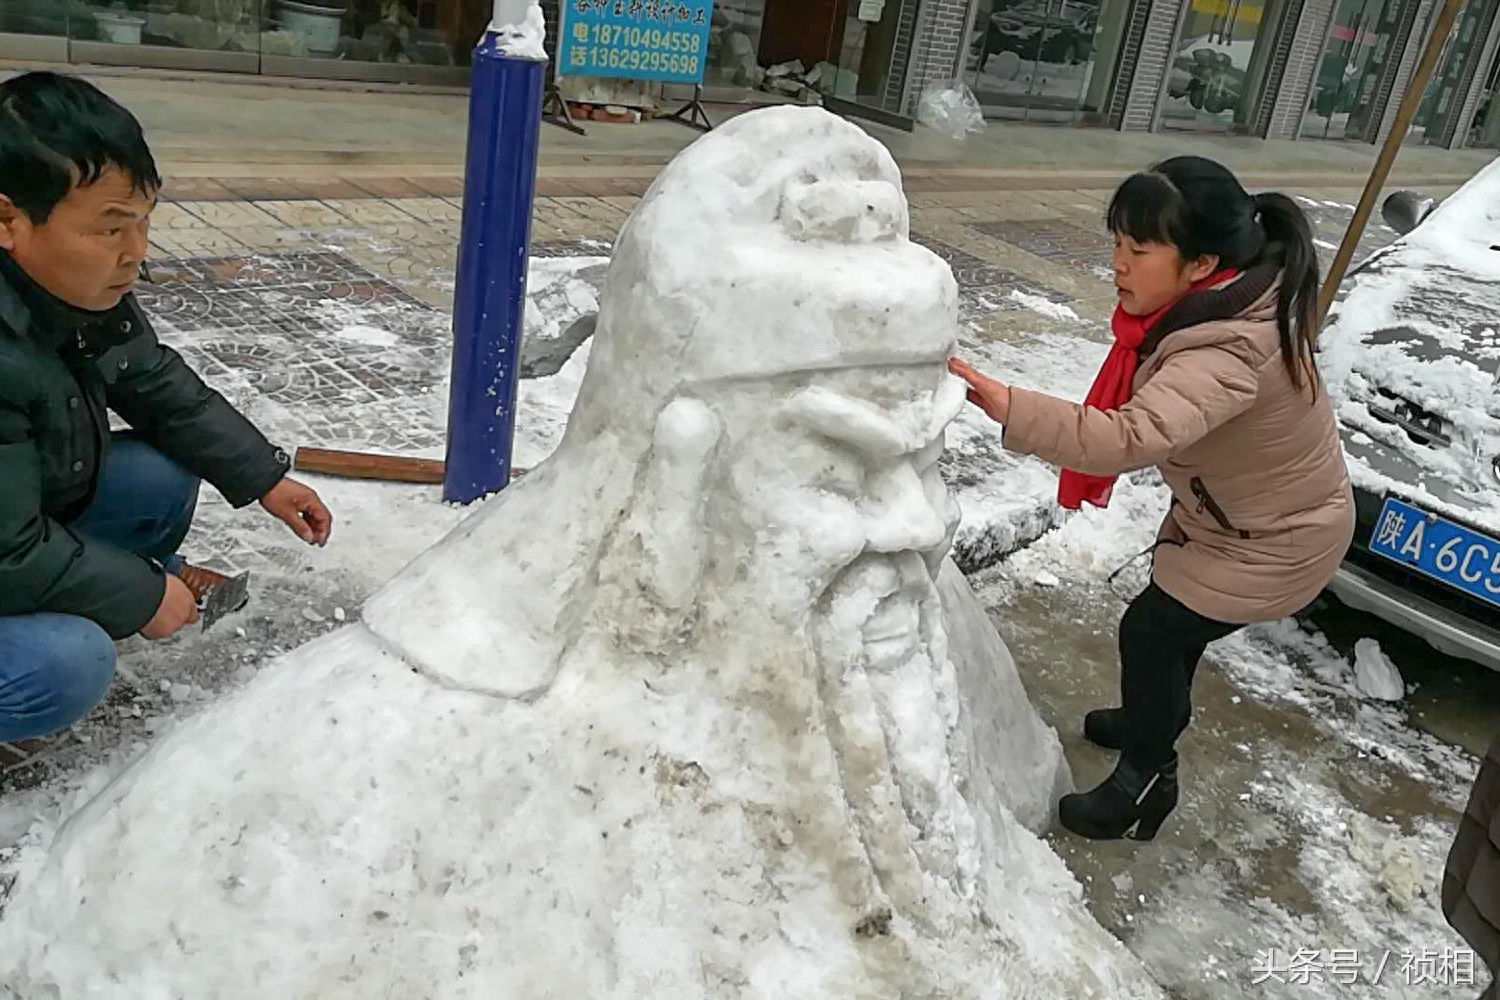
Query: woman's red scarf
(1113, 386)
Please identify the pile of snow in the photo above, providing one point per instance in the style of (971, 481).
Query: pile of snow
(1375, 673)
(698, 708)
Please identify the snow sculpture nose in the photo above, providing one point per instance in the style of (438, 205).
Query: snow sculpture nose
(899, 516)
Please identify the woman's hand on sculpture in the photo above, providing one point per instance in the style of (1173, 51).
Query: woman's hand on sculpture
(989, 395)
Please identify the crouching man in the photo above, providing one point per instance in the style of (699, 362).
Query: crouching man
(90, 521)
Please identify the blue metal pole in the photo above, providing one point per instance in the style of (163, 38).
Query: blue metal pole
(505, 121)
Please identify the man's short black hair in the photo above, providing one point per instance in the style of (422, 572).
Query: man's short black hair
(57, 131)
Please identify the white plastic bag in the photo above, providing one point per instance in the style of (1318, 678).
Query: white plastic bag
(950, 107)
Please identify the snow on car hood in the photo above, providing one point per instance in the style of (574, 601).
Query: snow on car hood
(1417, 335)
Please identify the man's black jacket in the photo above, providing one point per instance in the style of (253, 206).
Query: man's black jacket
(60, 370)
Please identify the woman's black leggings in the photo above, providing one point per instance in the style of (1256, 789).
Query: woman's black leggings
(1161, 642)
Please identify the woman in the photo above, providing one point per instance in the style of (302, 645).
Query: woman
(1211, 380)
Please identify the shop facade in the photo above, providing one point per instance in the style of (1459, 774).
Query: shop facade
(1315, 70)
(868, 57)
(414, 41)
(1283, 69)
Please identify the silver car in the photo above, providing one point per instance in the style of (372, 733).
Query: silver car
(1412, 357)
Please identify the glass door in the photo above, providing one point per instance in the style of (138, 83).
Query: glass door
(1217, 74)
(1443, 94)
(1485, 132)
(1045, 60)
(863, 74)
(1359, 41)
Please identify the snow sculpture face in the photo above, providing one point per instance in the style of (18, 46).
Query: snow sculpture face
(763, 411)
(799, 340)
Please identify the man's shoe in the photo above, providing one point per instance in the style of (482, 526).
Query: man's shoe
(1130, 803)
(203, 582)
(1105, 727)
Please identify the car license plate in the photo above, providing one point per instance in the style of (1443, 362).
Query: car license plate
(1436, 547)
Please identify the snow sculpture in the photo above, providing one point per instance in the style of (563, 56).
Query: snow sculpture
(521, 29)
(696, 710)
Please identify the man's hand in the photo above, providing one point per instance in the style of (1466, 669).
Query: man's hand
(178, 608)
(301, 509)
(984, 392)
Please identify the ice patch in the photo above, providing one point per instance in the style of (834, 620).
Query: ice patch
(1043, 305)
(373, 336)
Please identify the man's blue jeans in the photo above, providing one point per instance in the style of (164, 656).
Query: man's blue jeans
(55, 668)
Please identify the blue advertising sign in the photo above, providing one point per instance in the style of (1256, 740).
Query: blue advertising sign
(661, 40)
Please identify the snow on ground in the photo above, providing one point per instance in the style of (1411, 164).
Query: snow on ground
(379, 527)
(1044, 306)
(1370, 879)
(1007, 504)
(1278, 662)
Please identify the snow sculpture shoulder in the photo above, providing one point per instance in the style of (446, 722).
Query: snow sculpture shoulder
(698, 709)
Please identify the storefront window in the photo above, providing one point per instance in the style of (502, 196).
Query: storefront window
(214, 25)
(1485, 131)
(1218, 73)
(1444, 93)
(861, 63)
(1046, 60)
(34, 17)
(734, 45)
(1360, 42)
(397, 32)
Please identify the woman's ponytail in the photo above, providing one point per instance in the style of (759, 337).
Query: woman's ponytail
(1286, 227)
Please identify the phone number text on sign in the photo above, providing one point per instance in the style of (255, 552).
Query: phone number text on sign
(639, 39)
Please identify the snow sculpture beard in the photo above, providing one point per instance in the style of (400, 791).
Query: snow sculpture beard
(812, 594)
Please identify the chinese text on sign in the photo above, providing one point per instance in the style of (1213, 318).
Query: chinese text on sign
(638, 39)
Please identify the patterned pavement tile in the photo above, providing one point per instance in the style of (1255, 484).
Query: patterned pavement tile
(304, 214)
(625, 204)
(389, 187)
(274, 238)
(350, 355)
(1059, 242)
(368, 211)
(170, 216)
(974, 272)
(428, 209)
(228, 214)
(196, 242)
(410, 234)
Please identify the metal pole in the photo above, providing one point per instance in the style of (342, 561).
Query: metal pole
(1387, 158)
(505, 116)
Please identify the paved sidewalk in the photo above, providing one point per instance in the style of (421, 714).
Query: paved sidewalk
(217, 124)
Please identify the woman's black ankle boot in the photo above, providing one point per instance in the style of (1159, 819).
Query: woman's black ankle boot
(1105, 727)
(1130, 803)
